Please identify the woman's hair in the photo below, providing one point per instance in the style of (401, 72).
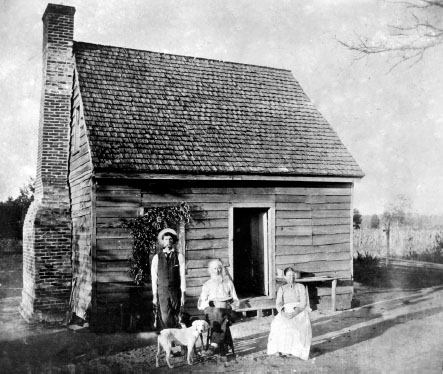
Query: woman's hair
(288, 269)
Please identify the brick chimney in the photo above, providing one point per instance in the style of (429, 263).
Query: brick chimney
(47, 271)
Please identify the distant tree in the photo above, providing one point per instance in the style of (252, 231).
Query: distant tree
(26, 195)
(375, 222)
(356, 219)
(407, 41)
(13, 212)
(395, 213)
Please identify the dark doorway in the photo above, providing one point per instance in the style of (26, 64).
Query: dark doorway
(250, 251)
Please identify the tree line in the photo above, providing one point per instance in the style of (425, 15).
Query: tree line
(13, 212)
(397, 213)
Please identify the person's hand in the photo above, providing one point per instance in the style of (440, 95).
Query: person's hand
(288, 315)
(182, 302)
(296, 311)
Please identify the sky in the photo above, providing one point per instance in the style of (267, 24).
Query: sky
(391, 122)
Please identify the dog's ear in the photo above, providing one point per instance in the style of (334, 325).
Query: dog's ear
(200, 325)
(204, 326)
(195, 324)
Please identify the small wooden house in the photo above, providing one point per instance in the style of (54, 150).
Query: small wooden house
(269, 182)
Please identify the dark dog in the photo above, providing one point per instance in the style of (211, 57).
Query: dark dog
(184, 319)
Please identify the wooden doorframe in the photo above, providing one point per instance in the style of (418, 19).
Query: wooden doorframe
(270, 243)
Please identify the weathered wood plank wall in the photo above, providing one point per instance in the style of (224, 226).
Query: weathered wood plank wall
(80, 183)
(312, 229)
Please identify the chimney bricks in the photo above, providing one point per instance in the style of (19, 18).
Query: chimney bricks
(46, 293)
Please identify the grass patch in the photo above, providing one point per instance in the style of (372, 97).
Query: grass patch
(434, 254)
(368, 272)
(11, 246)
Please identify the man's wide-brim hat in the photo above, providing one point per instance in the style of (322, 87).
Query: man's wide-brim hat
(167, 231)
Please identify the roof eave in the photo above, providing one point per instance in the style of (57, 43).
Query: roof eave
(226, 177)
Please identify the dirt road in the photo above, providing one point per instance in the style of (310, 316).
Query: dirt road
(400, 332)
(394, 331)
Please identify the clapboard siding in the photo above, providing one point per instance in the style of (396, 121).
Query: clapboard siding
(310, 257)
(326, 213)
(111, 287)
(113, 255)
(116, 212)
(206, 198)
(197, 272)
(317, 199)
(201, 215)
(312, 228)
(128, 197)
(111, 243)
(197, 233)
(112, 232)
(115, 283)
(213, 223)
(283, 214)
(295, 207)
(113, 276)
(206, 254)
(293, 231)
(331, 229)
(292, 240)
(316, 221)
(106, 222)
(303, 249)
(202, 244)
(316, 267)
(293, 222)
(330, 239)
(80, 182)
(118, 204)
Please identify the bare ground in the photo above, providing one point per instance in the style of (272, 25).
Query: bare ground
(396, 330)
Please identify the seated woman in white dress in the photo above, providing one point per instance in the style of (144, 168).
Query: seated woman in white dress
(291, 332)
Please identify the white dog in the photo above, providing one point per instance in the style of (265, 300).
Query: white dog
(186, 337)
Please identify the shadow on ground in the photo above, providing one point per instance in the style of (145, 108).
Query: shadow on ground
(36, 349)
(357, 325)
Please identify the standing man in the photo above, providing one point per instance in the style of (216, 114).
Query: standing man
(168, 279)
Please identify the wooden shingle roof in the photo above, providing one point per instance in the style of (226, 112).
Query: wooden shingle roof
(162, 113)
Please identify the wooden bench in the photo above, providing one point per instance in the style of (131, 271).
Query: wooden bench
(265, 303)
(256, 304)
(333, 281)
(252, 309)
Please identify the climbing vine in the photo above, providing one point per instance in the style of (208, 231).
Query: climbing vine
(144, 231)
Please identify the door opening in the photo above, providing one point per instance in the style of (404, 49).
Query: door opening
(250, 251)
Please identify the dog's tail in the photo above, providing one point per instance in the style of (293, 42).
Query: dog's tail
(158, 350)
(159, 346)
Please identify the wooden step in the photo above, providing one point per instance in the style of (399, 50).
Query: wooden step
(256, 304)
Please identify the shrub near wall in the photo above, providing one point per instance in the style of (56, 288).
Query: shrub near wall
(11, 246)
(404, 240)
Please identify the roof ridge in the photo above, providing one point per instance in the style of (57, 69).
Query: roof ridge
(185, 56)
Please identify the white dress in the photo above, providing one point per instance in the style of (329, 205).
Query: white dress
(291, 336)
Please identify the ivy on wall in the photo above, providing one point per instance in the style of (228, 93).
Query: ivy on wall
(144, 231)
